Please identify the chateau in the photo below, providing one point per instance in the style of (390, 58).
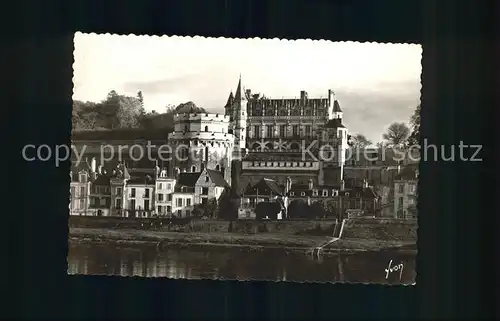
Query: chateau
(300, 139)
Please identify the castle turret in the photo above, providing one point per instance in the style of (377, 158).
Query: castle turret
(334, 111)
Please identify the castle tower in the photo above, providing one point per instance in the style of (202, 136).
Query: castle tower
(201, 141)
(334, 146)
(239, 122)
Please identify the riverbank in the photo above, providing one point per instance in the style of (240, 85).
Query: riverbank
(162, 240)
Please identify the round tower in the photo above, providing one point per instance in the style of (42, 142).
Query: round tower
(200, 141)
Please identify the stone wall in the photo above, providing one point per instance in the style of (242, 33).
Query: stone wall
(380, 228)
(320, 227)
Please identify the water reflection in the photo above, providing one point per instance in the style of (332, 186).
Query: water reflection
(235, 264)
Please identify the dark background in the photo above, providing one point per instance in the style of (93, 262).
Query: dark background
(455, 207)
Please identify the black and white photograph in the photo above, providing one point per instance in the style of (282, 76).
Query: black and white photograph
(244, 159)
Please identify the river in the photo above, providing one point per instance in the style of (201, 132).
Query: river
(233, 264)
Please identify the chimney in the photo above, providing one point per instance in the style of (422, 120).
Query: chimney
(310, 185)
(288, 185)
(342, 185)
(248, 93)
(303, 95)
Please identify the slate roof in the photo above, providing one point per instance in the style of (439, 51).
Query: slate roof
(336, 107)
(101, 180)
(188, 179)
(144, 179)
(278, 156)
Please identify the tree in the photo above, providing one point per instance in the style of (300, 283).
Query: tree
(269, 209)
(414, 138)
(396, 134)
(211, 208)
(317, 210)
(360, 141)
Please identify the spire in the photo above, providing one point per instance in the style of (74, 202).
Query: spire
(336, 107)
(239, 92)
(230, 99)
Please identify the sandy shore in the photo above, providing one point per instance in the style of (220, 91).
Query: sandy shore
(289, 242)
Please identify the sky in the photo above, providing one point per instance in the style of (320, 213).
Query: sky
(375, 84)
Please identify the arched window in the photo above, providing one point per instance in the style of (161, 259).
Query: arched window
(193, 169)
(206, 128)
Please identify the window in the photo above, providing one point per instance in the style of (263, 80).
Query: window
(132, 192)
(185, 128)
(169, 186)
(132, 205)
(159, 209)
(206, 128)
(256, 130)
(169, 209)
(193, 169)
(400, 202)
(295, 130)
(146, 205)
(169, 197)
(146, 193)
(179, 213)
(82, 191)
(83, 178)
(160, 186)
(292, 193)
(401, 188)
(335, 193)
(217, 167)
(188, 202)
(72, 192)
(315, 192)
(118, 203)
(207, 179)
(204, 191)
(119, 191)
(179, 202)
(325, 193)
(160, 197)
(303, 194)
(282, 131)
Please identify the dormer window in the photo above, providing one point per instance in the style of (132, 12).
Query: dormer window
(325, 193)
(207, 179)
(335, 192)
(315, 192)
(292, 193)
(303, 194)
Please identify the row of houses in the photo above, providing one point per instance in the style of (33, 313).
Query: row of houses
(119, 191)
